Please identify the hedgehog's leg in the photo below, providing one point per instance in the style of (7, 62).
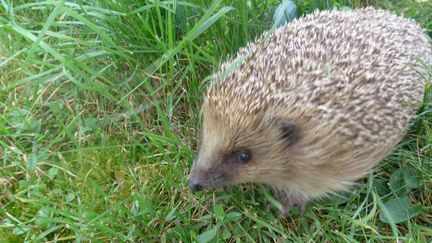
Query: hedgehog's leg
(298, 200)
(288, 200)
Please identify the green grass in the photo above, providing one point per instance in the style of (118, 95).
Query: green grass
(99, 118)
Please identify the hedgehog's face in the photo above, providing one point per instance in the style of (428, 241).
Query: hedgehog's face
(234, 151)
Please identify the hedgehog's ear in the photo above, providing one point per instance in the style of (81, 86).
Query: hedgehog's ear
(289, 132)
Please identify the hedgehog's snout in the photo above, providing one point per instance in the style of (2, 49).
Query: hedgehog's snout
(197, 181)
(204, 175)
(195, 185)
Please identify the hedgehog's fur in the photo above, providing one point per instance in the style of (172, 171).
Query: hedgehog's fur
(318, 103)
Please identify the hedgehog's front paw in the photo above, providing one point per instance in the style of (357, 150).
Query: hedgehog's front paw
(288, 200)
(298, 200)
(282, 213)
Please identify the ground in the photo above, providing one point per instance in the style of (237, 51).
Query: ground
(99, 118)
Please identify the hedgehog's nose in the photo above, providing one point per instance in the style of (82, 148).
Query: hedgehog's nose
(194, 185)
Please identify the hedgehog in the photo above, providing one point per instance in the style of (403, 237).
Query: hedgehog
(313, 106)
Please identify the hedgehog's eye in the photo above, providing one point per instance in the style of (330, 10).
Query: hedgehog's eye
(243, 156)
